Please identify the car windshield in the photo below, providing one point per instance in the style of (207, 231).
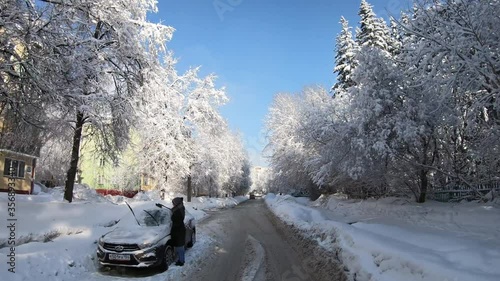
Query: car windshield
(154, 217)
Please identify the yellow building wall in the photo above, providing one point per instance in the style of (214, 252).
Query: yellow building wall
(147, 183)
(22, 185)
(99, 172)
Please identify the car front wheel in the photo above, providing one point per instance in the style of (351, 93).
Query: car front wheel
(168, 257)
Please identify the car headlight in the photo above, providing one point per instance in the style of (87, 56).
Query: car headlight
(145, 245)
(101, 242)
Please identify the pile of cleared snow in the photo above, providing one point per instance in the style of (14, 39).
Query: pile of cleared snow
(39, 188)
(270, 196)
(394, 239)
(81, 193)
(466, 219)
(196, 205)
(148, 195)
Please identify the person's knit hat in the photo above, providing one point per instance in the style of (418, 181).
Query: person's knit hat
(177, 200)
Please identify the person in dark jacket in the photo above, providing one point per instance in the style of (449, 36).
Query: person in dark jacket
(178, 229)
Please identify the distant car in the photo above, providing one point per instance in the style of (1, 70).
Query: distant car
(144, 245)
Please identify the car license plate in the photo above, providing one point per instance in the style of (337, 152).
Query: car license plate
(117, 257)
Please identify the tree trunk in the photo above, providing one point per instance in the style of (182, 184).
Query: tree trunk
(210, 187)
(423, 172)
(163, 191)
(423, 186)
(75, 155)
(189, 189)
(314, 192)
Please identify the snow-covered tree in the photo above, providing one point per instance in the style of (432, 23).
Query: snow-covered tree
(373, 31)
(298, 128)
(396, 35)
(104, 48)
(218, 169)
(345, 60)
(54, 162)
(22, 87)
(455, 47)
(183, 135)
(245, 179)
(165, 146)
(285, 147)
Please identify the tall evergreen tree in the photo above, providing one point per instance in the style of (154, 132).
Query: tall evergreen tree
(396, 37)
(373, 31)
(345, 61)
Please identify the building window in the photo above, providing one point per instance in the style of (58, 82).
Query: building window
(14, 168)
(100, 179)
(102, 162)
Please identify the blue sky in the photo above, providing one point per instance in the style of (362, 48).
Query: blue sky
(259, 48)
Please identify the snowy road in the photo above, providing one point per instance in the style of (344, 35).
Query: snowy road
(251, 246)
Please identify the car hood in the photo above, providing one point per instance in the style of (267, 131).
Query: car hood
(136, 235)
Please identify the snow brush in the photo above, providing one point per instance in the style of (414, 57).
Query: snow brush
(159, 205)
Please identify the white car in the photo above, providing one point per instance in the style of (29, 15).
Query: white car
(143, 241)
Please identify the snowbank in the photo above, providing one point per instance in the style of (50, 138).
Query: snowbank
(395, 239)
(39, 188)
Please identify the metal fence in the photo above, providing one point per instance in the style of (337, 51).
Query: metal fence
(463, 192)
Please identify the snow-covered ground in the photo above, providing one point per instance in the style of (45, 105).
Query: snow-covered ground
(57, 240)
(396, 239)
